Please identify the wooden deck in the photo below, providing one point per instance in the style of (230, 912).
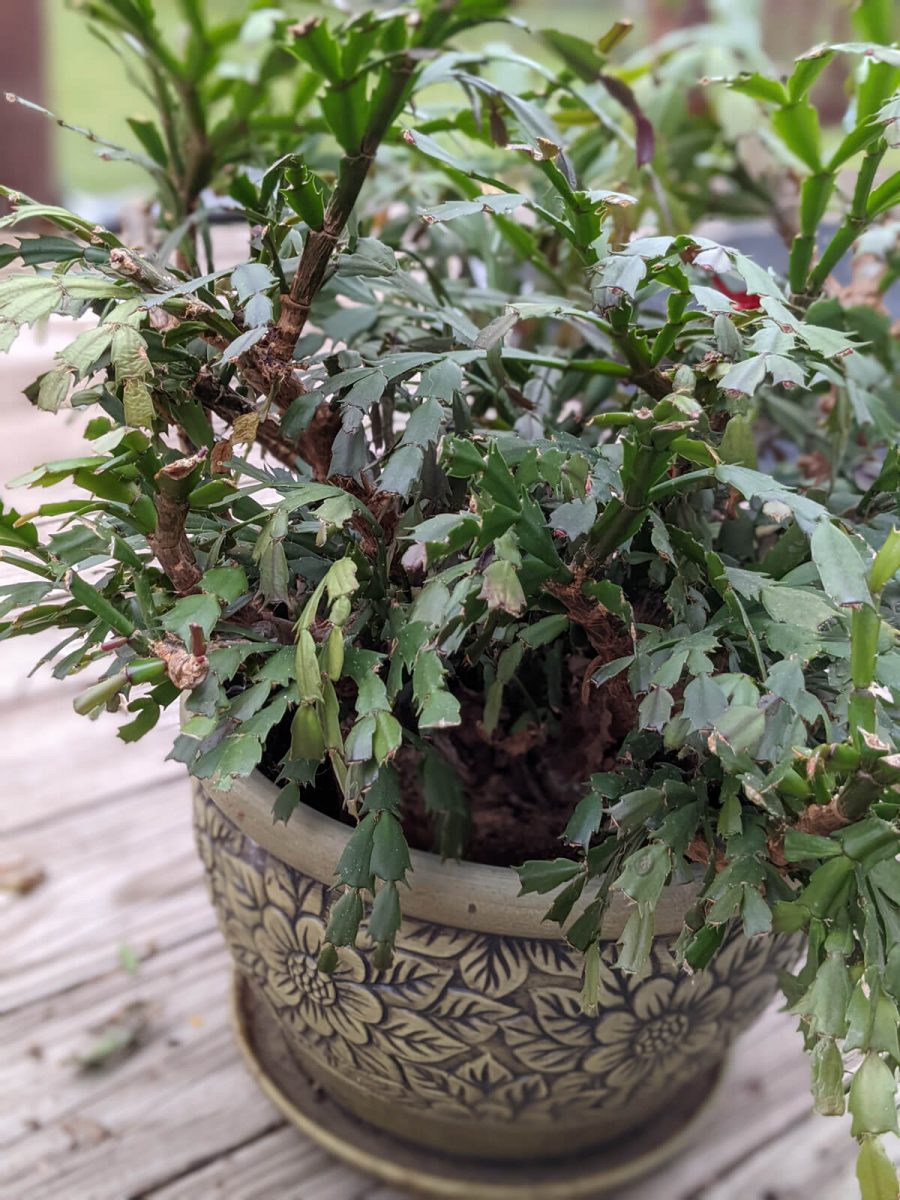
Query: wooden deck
(121, 918)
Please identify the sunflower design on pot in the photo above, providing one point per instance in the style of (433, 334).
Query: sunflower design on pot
(471, 1034)
(669, 1025)
(336, 1005)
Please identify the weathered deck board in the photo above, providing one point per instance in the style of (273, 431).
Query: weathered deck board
(124, 873)
(88, 761)
(173, 1105)
(814, 1158)
(276, 1164)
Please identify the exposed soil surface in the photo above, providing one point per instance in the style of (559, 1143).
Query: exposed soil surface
(523, 786)
(523, 782)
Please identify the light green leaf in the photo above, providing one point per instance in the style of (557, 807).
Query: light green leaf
(808, 610)
(225, 582)
(424, 425)
(875, 1173)
(841, 567)
(138, 404)
(501, 202)
(704, 702)
(873, 1098)
(635, 942)
(545, 875)
(28, 298)
(655, 709)
(128, 352)
(402, 470)
(87, 348)
(741, 727)
(54, 389)
(574, 518)
(645, 873)
(440, 711)
(199, 610)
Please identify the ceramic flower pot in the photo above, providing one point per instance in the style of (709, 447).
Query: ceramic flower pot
(472, 1048)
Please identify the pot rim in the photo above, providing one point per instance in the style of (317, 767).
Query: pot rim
(463, 895)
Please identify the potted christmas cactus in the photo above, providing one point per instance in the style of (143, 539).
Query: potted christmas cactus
(487, 513)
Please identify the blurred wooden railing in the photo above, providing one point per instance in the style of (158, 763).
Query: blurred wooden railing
(26, 160)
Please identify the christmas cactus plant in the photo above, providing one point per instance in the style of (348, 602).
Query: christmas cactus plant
(489, 504)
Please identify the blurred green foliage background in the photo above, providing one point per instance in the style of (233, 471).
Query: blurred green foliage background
(88, 85)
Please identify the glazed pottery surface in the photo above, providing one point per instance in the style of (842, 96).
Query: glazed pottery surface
(473, 1042)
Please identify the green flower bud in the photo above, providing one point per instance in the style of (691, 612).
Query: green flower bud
(340, 611)
(306, 734)
(333, 654)
(309, 675)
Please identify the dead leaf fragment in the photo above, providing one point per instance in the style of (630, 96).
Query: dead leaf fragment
(20, 874)
(116, 1038)
(244, 428)
(85, 1132)
(186, 670)
(221, 453)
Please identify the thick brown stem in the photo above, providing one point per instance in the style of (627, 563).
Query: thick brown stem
(313, 445)
(320, 243)
(604, 631)
(269, 365)
(170, 542)
(653, 382)
(851, 804)
(171, 546)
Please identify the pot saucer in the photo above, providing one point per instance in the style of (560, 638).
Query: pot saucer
(426, 1172)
